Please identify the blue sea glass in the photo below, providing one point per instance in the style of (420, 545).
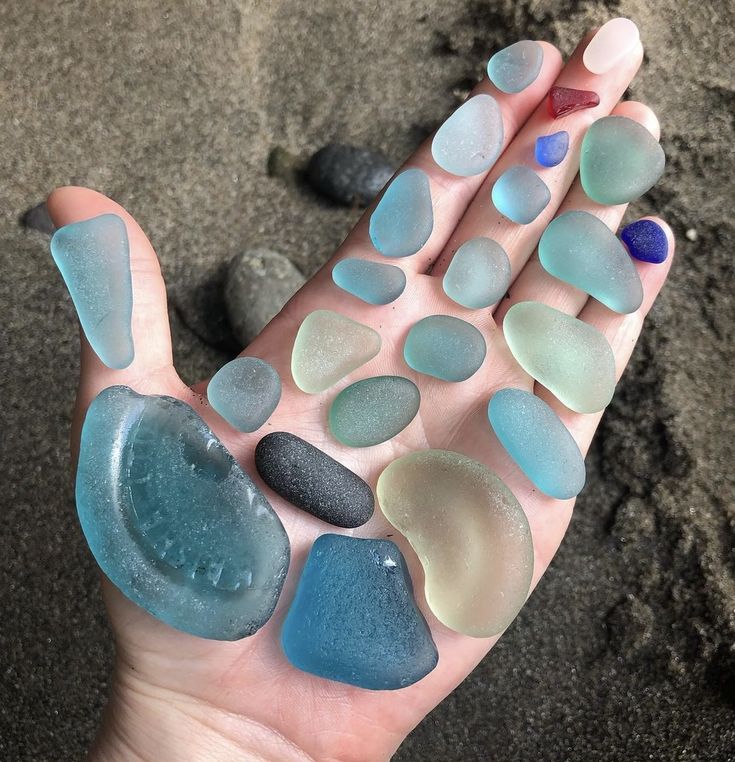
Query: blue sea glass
(373, 282)
(402, 221)
(646, 241)
(245, 392)
(514, 68)
(580, 249)
(354, 618)
(538, 442)
(551, 149)
(444, 347)
(173, 521)
(478, 275)
(469, 142)
(520, 194)
(94, 259)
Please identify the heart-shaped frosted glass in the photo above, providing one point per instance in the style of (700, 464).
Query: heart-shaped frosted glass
(580, 249)
(470, 534)
(520, 194)
(469, 142)
(514, 68)
(478, 275)
(569, 357)
(373, 282)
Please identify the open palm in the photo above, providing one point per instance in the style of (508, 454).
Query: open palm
(176, 691)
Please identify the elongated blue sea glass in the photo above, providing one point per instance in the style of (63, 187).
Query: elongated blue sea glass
(646, 241)
(173, 521)
(245, 392)
(94, 259)
(538, 442)
(354, 618)
(514, 68)
(580, 249)
(444, 347)
(551, 149)
(520, 194)
(469, 142)
(373, 282)
(402, 221)
(478, 275)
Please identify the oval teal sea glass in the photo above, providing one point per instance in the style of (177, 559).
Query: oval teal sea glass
(372, 282)
(478, 275)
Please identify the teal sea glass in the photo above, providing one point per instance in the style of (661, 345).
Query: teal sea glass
(354, 619)
(620, 160)
(372, 282)
(373, 410)
(444, 347)
(478, 275)
(581, 250)
(469, 142)
(514, 68)
(402, 221)
(93, 257)
(173, 521)
(520, 194)
(245, 392)
(538, 442)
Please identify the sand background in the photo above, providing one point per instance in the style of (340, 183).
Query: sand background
(625, 650)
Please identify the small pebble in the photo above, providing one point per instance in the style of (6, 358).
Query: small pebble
(566, 100)
(478, 275)
(551, 149)
(313, 481)
(691, 234)
(646, 241)
(514, 68)
(520, 194)
(373, 282)
(38, 219)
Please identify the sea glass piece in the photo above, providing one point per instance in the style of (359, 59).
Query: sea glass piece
(620, 160)
(173, 521)
(538, 442)
(646, 241)
(402, 221)
(514, 68)
(93, 257)
(569, 357)
(373, 410)
(551, 149)
(478, 275)
(313, 481)
(580, 249)
(354, 619)
(328, 347)
(520, 194)
(566, 100)
(470, 141)
(373, 282)
(444, 347)
(613, 42)
(245, 392)
(470, 534)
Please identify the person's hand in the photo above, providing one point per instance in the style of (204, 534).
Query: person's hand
(176, 696)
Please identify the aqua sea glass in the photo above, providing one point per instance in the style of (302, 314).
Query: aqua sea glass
(328, 347)
(514, 68)
(373, 410)
(478, 275)
(646, 241)
(470, 534)
(402, 221)
(470, 141)
(372, 282)
(569, 357)
(580, 249)
(444, 347)
(93, 257)
(354, 619)
(550, 150)
(245, 392)
(538, 442)
(620, 160)
(520, 194)
(173, 521)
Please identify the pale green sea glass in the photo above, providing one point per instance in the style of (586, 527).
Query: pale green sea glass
(478, 275)
(569, 357)
(328, 347)
(470, 534)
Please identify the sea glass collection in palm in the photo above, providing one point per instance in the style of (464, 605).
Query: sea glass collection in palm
(514, 68)
(520, 194)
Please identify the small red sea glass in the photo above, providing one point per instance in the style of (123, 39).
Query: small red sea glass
(567, 100)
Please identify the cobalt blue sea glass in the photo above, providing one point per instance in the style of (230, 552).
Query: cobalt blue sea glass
(646, 241)
(520, 194)
(514, 68)
(173, 521)
(94, 259)
(551, 149)
(354, 618)
(538, 442)
(373, 282)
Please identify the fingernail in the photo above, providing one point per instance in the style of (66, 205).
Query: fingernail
(612, 43)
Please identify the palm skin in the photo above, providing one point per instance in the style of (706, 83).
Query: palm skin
(175, 692)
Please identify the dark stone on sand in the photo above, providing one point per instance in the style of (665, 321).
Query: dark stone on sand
(38, 219)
